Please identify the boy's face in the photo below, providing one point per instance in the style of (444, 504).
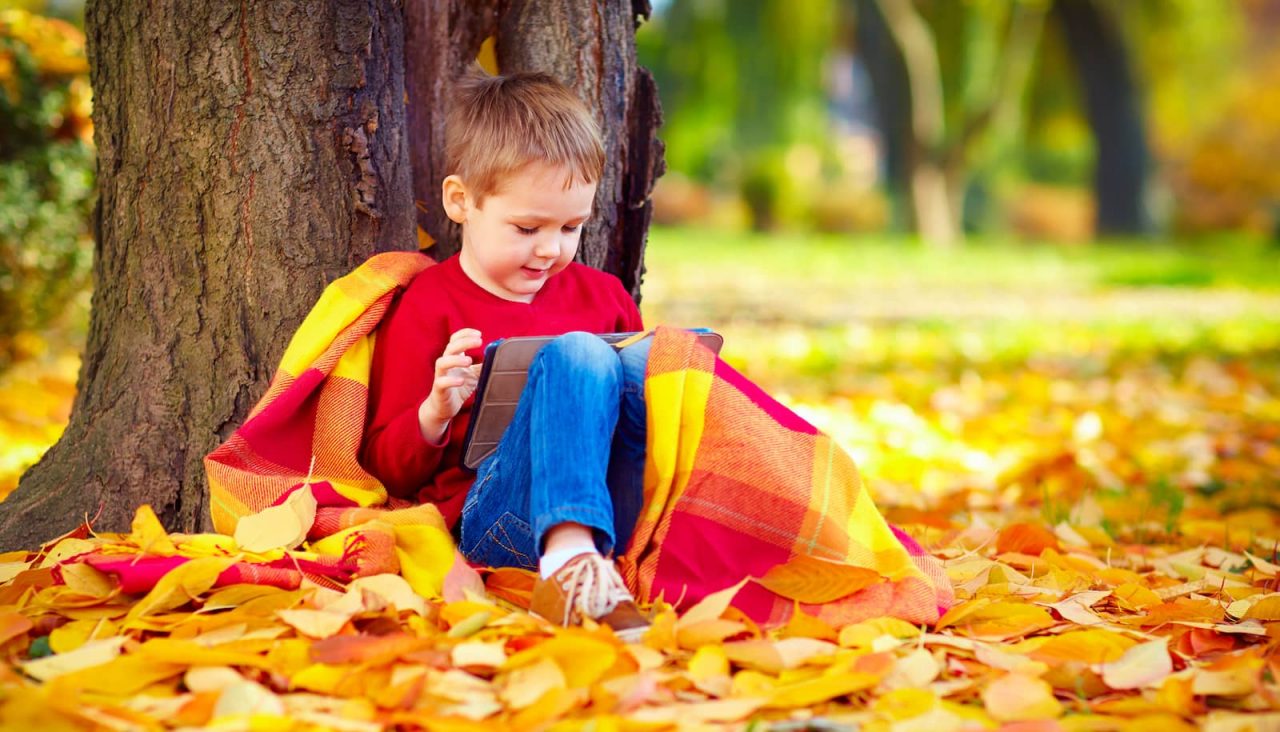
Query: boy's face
(524, 233)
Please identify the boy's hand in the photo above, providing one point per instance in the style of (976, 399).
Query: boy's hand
(455, 381)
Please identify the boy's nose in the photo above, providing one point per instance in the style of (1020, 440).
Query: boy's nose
(549, 247)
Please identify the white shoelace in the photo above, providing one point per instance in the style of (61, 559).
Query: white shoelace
(593, 587)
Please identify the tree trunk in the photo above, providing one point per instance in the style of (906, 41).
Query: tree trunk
(587, 44)
(248, 154)
(937, 224)
(1113, 110)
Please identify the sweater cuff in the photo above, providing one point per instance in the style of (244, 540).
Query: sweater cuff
(422, 457)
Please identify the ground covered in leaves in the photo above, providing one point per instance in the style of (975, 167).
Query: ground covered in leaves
(1091, 445)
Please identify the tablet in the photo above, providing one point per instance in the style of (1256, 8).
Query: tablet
(502, 379)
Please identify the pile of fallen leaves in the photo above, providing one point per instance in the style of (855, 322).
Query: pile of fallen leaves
(1057, 627)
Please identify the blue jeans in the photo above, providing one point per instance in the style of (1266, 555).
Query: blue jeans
(574, 452)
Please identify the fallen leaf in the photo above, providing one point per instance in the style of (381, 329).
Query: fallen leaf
(1029, 539)
(149, 535)
(89, 655)
(816, 581)
(710, 607)
(314, 623)
(283, 526)
(1020, 698)
(179, 586)
(1141, 666)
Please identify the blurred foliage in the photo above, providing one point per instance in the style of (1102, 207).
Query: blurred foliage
(742, 90)
(46, 175)
(1085, 379)
(745, 91)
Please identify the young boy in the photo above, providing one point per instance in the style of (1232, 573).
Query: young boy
(563, 489)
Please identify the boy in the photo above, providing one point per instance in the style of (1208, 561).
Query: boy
(563, 489)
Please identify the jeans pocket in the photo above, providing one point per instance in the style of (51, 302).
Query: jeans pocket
(507, 543)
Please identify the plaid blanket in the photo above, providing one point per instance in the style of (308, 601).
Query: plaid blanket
(308, 426)
(736, 484)
(305, 433)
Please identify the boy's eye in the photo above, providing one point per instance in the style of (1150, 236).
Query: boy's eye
(526, 230)
(571, 229)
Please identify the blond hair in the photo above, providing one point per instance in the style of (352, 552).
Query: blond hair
(498, 124)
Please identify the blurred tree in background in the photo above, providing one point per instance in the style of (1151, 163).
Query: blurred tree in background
(1049, 119)
(46, 175)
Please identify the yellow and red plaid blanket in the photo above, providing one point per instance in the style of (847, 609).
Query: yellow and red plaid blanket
(305, 433)
(736, 485)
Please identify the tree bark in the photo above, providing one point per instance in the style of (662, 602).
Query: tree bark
(587, 44)
(1113, 109)
(248, 154)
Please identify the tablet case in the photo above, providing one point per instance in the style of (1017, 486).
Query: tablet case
(502, 379)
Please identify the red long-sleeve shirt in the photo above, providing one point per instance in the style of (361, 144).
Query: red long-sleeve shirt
(440, 301)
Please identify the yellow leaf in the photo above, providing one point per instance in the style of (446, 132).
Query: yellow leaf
(798, 651)
(695, 635)
(905, 703)
(149, 535)
(760, 655)
(816, 581)
(1020, 698)
(314, 623)
(75, 634)
(425, 240)
(171, 650)
(710, 607)
(394, 590)
(248, 699)
(479, 653)
(804, 625)
(88, 655)
(552, 705)
(722, 711)
(915, 670)
(708, 662)
(1140, 666)
(87, 581)
(283, 526)
(1268, 608)
(1135, 596)
(199, 679)
(66, 549)
(864, 634)
(820, 689)
(527, 684)
(582, 657)
(1087, 646)
(179, 586)
(1003, 620)
(122, 676)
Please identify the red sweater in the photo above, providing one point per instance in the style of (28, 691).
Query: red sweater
(440, 301)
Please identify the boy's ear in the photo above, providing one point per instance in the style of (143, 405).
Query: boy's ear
(455, 197)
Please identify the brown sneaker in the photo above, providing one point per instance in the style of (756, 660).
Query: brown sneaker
(588, 586)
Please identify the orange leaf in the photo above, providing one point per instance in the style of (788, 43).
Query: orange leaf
(371, 649)
(511, 584)
(13, 625)
(1268, 608)
(1003, 620)
(816, 581)
(1025, 539)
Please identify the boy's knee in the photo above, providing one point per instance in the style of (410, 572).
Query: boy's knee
(635, 359)
(582, 351)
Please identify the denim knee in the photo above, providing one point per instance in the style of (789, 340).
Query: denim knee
(584, 354)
